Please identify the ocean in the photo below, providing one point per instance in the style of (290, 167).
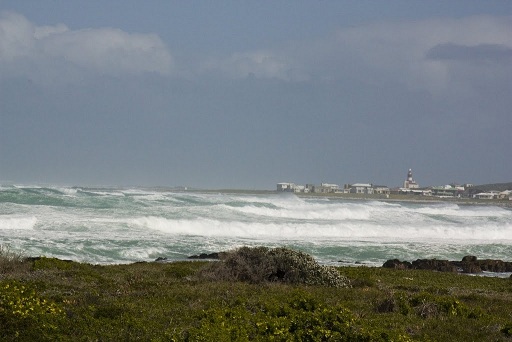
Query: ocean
(125, 225)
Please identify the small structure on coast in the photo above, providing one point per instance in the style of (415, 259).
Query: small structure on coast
(286, 187)
(325, 188)
(361, 188)
(409, 183)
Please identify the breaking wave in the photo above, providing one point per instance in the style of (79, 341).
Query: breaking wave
(116, 225)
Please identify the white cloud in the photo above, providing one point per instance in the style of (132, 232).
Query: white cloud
(399, 52)
(260, 64)
(408, 53)
(109, 50)
(28, 49)
(15, 36)
(382, 53)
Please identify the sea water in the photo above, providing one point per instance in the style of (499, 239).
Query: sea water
(119, 225)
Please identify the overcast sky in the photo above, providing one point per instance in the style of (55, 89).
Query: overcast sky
(245, 94)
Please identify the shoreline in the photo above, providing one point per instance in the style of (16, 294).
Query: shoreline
(410, 198)
(469, 265)
(367, 197)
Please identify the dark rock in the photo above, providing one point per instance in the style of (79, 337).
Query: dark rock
(469, 258)
(469, 264)
(470, 267)
(495, 266)
(161, 259)
(34, 259)
(397, 264)
(435, 265)
(215, 256)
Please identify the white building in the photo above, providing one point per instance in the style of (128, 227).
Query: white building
(507, 194)
(361, 188)
(286, 187)
(487, 195)
(381, 190)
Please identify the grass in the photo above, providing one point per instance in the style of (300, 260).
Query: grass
(46, 299)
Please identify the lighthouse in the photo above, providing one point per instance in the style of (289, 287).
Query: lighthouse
(409, 183)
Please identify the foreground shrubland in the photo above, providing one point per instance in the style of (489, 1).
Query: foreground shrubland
(253, 294)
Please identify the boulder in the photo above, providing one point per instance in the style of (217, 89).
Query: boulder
(434, 265)
(203, 256)
(397, 264)
(470, 267)
(495, 266)
(469, 258)
(469, 264)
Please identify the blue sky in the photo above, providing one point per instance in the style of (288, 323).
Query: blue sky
(245, 94)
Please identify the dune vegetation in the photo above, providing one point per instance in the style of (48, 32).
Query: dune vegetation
(251, 294)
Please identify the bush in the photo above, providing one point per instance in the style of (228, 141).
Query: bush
(43, 263)
(299, 317)
(260, 264)
(507, 330)
(11, 262)
(426, 305)
(26, 316)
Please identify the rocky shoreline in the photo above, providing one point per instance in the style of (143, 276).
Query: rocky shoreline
(469, 264)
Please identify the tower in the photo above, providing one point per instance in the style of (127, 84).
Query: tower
(409, 183)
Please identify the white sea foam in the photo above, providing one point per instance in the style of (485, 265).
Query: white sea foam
(119, 225)
(315, 231)
(14, 223)
(102, 193)
(308, 212)
(143, 253)
(23, 186)
(457, 211)
(68, 191)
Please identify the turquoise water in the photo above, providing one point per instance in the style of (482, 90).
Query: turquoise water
(115, 225)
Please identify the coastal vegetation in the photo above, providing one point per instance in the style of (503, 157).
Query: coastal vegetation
(251, 294)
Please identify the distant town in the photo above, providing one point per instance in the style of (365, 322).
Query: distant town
(410, 187)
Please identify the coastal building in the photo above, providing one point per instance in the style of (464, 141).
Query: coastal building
(507, 194)
(447, 191)
(326, 188)
(309, 188)
(486, 195)
(361, 188)
(299, 188)
(409, 183)
(406, 191)
(381, 190)
(286, 187)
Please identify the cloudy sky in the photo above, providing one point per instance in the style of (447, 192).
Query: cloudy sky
(245, 94)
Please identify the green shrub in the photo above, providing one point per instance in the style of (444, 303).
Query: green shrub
(42, 263)
(395, 302)
(180, 270)
(507, 330)
(426, 305)
(24, 315)
(300, 318)
(260, 264)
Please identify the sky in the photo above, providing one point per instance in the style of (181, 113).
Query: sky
(246, 94)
